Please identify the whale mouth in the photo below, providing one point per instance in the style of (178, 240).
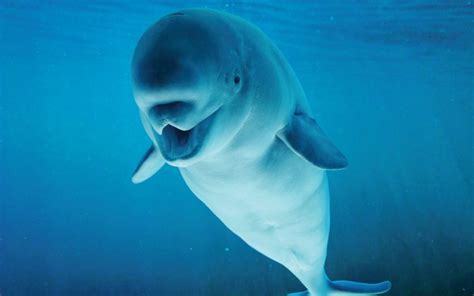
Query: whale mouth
(175, 143)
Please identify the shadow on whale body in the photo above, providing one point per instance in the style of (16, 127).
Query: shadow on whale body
(220, 102)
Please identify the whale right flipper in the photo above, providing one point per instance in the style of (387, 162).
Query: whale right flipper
(304, 136)
(150, 164)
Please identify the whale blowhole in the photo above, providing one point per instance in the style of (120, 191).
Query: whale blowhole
(237, 79)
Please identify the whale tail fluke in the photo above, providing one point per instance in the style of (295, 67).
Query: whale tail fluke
(304, 293)
(346, 288)
(336, 287)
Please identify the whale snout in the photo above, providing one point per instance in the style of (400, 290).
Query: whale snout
(174, 113)
(168, 89)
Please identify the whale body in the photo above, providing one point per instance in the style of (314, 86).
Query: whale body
(220, 102)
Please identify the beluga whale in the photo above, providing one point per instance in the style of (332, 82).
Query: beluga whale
(220, 102)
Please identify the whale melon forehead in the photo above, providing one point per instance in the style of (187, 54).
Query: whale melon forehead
(192, 31)
(174, 38)
(192, 39)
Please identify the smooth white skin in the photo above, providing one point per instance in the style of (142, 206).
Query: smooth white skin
(277, 202)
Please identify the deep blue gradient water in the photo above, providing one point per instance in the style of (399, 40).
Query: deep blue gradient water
(391, 82)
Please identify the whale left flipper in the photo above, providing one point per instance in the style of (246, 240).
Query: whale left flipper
(304, 136)
(151, 163)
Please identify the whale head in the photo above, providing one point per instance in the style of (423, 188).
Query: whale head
(188, 75)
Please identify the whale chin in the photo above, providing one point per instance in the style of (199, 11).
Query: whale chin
(177, 146)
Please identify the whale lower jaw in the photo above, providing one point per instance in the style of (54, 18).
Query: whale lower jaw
(176, 144)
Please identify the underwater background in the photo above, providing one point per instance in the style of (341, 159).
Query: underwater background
(391, 82)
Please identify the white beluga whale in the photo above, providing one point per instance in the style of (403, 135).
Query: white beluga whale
(220, 102)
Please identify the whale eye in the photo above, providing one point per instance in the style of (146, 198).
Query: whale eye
(237, 79)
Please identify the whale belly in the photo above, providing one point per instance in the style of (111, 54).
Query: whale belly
(278, 204)
(296, 237)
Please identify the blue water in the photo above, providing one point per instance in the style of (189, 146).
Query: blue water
(391, 82)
